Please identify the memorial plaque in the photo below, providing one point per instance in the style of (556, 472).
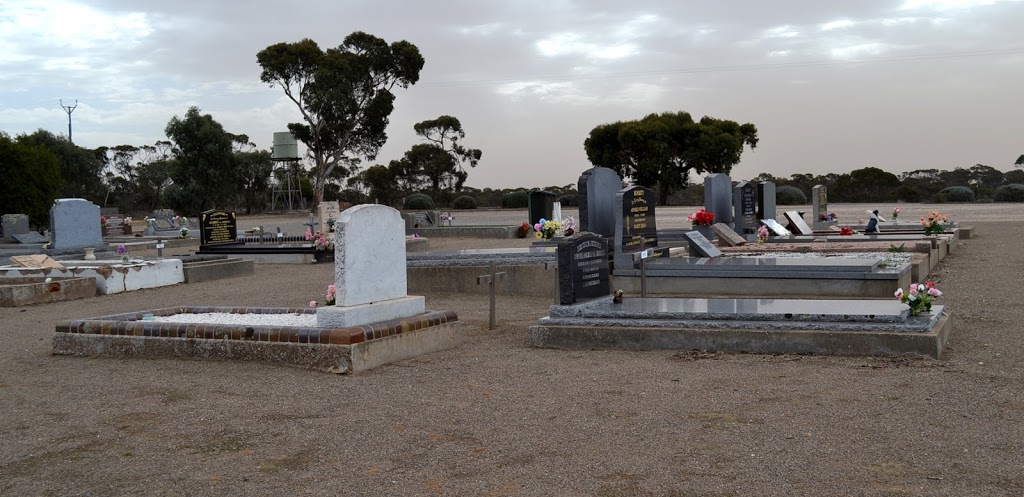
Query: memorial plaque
(798, 223)
(745, 207)
(421, 220)
(30, 237)
(776, 228)
(638, 229)
(700, 246)
(582, 268)
(218, 227)
(727, 235)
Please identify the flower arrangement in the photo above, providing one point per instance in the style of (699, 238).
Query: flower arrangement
(103, 221)
(828, 217)
(568, 226)
(328, 298)
(123, 252)
(320, 242)
(919, 297)
(845, 231)
(762, 234)
(896, 213)
(523, 230)
(330, 224)
(127, 221)
(183, 232)
(181, 220)
(150, 222)
(546, 228)
(701, 218)
(935, 223)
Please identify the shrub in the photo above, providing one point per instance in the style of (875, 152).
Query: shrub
(464, 202)
(515, 200)
(957, 194)
(419, 201)
(1013, 192)
(572, 200)
(790, 195)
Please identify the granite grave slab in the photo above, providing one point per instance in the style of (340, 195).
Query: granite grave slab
(798, 223)
(700, 246)
(75, 223)
(727, 235)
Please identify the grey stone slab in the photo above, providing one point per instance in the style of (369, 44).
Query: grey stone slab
(14, 224)
(75, 222)
(725, 264)
(597, 189)
(727, 235)
(766, 200)
(738, 309)
(819, 203)
(745, 208)
(718, 197)
(798, 222)
(700, 246)
(30, 237)
(776, 228)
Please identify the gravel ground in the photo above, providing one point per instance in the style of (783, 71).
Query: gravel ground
(496, 417)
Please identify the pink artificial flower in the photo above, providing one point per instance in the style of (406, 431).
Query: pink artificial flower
(929, 284)
(934, 292)
(899, 293)
(312, 303)
(537, 227)
(913, 290)
(309, 233)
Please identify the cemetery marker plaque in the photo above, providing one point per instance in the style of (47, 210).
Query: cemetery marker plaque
(30, 237)
(582, 268)
(776, 227)
(217, 227)
(798, 222)
(639, 225)
(726, 234)
(700, 246)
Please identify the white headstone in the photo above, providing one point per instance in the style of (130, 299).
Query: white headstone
(369, 269)
(75, 222)
(327, 212)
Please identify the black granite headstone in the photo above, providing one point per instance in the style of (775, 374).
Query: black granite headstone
(638, 229)
(597, 189)
(582, 268)
(700, 246)
(217, 227)
(745, 206)
(541, 206)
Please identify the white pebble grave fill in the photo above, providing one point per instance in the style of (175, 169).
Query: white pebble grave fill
(299, 320)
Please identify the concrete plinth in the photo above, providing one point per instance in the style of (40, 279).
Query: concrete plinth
(355, 315)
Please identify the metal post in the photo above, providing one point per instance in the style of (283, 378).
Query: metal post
(491, 324)
(160, 248)
(643, 278)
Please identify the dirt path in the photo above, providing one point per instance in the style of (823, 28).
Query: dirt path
(495, 417)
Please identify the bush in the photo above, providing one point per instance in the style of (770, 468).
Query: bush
(419, 201)
(464, 202)
(569, 200)
(957, 194)
(790, 195)
(1014, 192)
(515, 200)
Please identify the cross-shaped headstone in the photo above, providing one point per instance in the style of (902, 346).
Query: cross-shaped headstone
(489, 279)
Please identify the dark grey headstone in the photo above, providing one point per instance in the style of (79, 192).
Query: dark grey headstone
(217, 227)
(541, 206)
(798, 223)
(422, 220)
(75, 222)
(727, 235)
(13, 224)
(700, 246)
(819, 203)
(597, 187)
(776, 228)
(582, 268)
(636, 227)
(30, 237)
(718, 197)
(745, 208)
(766, 200)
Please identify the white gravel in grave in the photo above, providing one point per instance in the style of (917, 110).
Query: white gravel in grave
(299, 320)
(892, 257)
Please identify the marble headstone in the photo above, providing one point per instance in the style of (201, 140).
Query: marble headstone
(14, 224)
(597, 187)
(819, 203)
(369, 269)
(745, 208)
(75, 222)
(718, 197)
(727, 235)
(541, 205)
(636, 228)
(700, 246)
(582, 268)
(766, 200)
(798, 223)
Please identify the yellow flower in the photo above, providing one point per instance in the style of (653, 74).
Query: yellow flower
(538, 234)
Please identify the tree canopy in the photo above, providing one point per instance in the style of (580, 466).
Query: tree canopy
(204, 171)
(31, 178)
(80, 167)
(660, 150)
(344, 96)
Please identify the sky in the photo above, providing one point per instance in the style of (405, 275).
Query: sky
(831, 86)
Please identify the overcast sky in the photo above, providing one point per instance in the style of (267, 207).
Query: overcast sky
(831, 86)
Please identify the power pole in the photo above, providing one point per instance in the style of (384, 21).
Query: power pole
(69, 109)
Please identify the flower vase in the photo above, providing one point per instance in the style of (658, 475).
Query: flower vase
(323, 256)
(90, 254)
(705, 230)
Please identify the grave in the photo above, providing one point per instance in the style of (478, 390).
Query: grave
(582, 268)
(16, 292)
(369, 269)
(597, 189)
(700, 246)
(541, 206)
(31, 237)
(796, 222)
(766, 200)
(218, 227)
(75, 223)
(14, 224)
(718, 197)
(727, 236)
(766, 326)
(745, 208)
(636, 226)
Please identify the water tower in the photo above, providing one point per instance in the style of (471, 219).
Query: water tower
(286, 152)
